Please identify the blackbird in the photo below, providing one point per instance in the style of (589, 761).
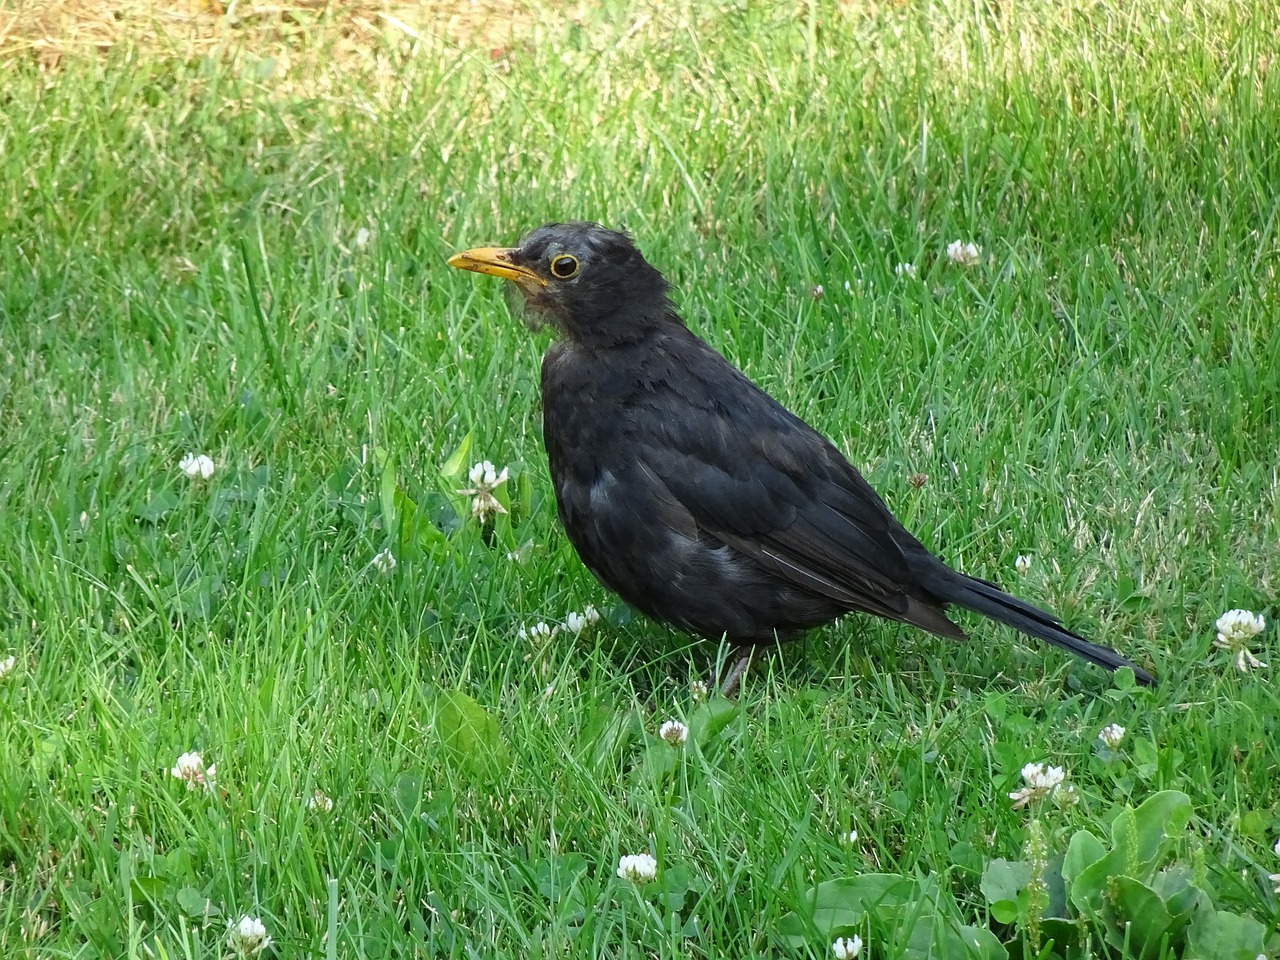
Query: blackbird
(693, 494)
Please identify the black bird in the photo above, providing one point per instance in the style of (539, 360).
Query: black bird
(693, 494)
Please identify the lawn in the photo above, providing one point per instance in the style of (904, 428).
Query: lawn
(234, 248)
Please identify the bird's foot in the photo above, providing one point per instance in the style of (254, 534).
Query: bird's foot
(741, 661)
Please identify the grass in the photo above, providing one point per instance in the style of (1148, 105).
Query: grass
(1100, 393)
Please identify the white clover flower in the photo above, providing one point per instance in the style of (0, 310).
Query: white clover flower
(1022, 564)
(320, 801)
(191, 769)
(384, 561)
(1066, 796)
(196, 466)
(1235, 629)
(362, 238)
(484, 480)
(485, 474)
(904, 270)
(964, 254)
(1040, 781)
(674, 732)
(1239, 625)
(1112, 735)
(637, 867)
(575, 622)
(817, 291)
(247, 936)
(847, 948)
(1041, 777)
(539, 632)
(1276, 848)
(850, 838)
(699, 691)
(7, 665)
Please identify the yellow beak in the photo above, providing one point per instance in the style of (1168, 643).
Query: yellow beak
(497, 262)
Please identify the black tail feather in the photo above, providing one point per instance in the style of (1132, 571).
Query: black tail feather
(989, 600)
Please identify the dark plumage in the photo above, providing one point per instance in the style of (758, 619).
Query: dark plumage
(694, 495)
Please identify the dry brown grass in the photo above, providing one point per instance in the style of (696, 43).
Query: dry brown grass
(51, 31)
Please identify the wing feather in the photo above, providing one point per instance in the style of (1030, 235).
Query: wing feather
(762, 481)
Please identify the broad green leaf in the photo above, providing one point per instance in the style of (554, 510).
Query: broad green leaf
(47, 754)
(1055, 889)
(1256, 824)
(415, 527)
(710, 718)
(1086, 868)
(558, 875)
(964, 855)
(195, 904)
(1005, 911)
(1083, 850)
(1138, 916)
(457, 463)
(677, 882)
(844, 903)
(867, 891)
(1161, 816)
(524, 494)
(921, 932)
(1219, 935)
(408, 794)
(1003, 880)
(928, 935)
(661, 760)
(1124, 679)
(930, 929)
(150, 889)
(980, 943)
(406, 514)
(1089, 890)
(1062, 933)
(1181, 896)
(469, 733)
(1138, 839)
(156, 506)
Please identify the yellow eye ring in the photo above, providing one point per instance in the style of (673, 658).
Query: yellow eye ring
(564, 267)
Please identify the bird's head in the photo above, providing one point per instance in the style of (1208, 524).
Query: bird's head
(590, 283)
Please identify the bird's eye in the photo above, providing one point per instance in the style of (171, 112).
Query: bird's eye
(564, 267)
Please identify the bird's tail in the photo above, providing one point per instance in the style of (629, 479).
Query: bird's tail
(986, 598)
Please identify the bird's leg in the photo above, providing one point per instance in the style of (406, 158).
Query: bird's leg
(741, 660)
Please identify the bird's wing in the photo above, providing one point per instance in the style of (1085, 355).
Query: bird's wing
(762, 481)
